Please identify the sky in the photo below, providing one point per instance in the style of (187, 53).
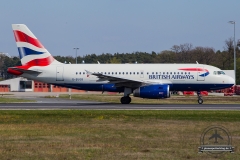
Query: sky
(123, 26)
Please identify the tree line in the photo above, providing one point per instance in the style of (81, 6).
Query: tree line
(183, 53)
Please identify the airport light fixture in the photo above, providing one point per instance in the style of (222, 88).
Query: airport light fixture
(235, 71)
(76, 53)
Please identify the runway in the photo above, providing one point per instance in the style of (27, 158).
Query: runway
(112, 106)
(60, 103)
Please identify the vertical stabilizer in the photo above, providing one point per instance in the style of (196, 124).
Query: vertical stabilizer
(31, 51)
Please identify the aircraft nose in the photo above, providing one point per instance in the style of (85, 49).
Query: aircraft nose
(231, 80)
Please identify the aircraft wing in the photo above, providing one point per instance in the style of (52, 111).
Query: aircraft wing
(215, 136)
(212, 137)
(219, 136)
(119, 82)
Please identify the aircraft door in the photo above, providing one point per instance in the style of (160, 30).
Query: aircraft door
(59, 74)
(200, 74)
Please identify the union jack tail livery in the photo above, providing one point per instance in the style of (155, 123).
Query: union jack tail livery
(31, 51)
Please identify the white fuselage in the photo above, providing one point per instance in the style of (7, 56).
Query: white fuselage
(180, 77)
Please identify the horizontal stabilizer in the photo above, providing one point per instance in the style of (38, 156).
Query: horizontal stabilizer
(19, 71)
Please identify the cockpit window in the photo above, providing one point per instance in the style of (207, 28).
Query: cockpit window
(221, 72)
(218, 73)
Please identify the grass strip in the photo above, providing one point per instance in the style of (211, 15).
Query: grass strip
(108, 134)
(55, 116)
(13, 100)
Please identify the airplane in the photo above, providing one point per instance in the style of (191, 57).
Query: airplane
(215, 136)
(152, 81)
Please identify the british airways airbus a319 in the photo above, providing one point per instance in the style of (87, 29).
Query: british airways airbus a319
(153, 81)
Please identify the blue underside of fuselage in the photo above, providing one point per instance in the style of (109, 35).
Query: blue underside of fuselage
(173, 87)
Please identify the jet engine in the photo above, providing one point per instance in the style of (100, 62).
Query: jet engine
(153, 91)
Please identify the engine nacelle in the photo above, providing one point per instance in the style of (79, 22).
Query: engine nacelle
(154, 91)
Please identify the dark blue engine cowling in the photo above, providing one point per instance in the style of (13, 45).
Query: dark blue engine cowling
(154, 91)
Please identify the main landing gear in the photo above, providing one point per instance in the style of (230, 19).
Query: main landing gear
(126, 99)
(200, 100)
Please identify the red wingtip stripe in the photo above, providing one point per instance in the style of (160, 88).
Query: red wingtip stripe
(22, 37)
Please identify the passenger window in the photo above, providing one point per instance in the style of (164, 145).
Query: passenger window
(83, 72)
(126, 72)
(152, 72)
(76, 72)
(137, 73)
(156, 72)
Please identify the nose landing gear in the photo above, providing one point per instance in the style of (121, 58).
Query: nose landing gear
(200, 100)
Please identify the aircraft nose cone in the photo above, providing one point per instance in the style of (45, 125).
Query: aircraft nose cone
(231, 80)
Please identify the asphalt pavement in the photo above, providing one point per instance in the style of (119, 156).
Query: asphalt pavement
(59, 103)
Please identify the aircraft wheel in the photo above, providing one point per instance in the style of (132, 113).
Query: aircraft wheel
(125, 100)
(200, 101)
(129, 100)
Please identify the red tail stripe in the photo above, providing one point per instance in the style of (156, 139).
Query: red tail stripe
(38, 62)
(22, 37)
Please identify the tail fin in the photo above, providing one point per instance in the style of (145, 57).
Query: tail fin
(31, 51)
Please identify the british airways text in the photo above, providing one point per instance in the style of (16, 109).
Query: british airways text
(171, 77)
